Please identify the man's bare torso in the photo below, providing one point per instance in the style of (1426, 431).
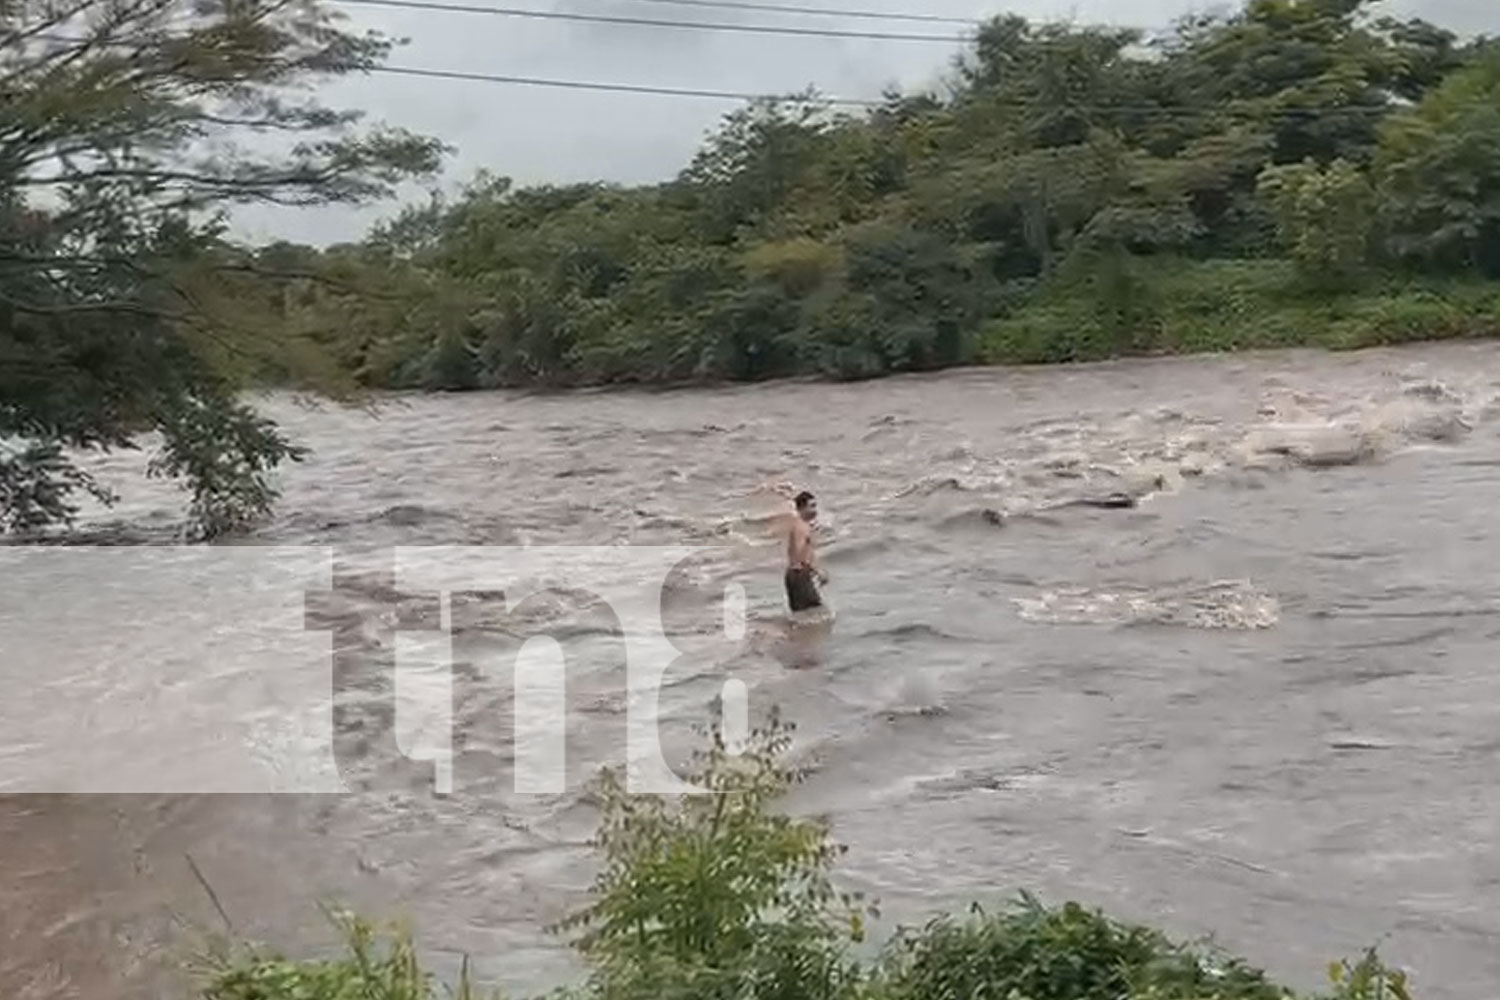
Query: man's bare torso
(799, 545)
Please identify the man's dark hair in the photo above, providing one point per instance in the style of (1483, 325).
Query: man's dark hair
(803, 499)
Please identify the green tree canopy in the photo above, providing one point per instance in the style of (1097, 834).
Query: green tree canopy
(1059, 175)
(128, 129)
(1439, 173)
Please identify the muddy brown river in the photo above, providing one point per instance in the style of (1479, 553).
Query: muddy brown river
(1253, 694)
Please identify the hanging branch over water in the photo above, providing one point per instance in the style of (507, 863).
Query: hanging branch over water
(127, 129)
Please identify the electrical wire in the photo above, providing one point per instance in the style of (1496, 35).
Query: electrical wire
(651, 22)
(772, 8)
(625, 88)
(1147, 110)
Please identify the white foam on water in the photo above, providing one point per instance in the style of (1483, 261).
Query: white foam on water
(1233, 605)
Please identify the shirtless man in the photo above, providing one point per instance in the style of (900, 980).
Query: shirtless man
(801, 568)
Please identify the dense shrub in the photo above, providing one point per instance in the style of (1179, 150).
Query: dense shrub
(718, 896)
(1067, 953)
(1193, 306)
(376, 964)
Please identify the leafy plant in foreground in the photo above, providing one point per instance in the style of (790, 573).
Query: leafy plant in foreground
(719, 897)
(716, 894)
(377, 964)
(1367, 979)
(1032, 952)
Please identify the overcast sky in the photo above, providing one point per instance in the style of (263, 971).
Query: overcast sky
(537, 135)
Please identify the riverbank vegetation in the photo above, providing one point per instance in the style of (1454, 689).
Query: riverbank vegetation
(722, 897)
(1294, 172)
(1298, 172)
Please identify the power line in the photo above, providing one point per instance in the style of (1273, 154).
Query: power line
(625, 88)
(651, 22)
(872, 15)
(1015, 104)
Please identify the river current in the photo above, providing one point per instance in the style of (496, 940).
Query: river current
(1245, 688)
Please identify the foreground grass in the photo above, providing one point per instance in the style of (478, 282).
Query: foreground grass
(1181, 307)
(721, 897)
(1025, 952)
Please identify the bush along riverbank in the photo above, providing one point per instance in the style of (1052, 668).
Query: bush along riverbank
(1291, 173)
(722, 897)
(1181, 307)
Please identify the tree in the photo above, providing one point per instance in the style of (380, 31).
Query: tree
(123, 144)
(926, 297)
(1076, 171)
(1282, 82)
(1438, 171)
(1323, 216)
(759, 156)
(1058, 82)
(1307, 71)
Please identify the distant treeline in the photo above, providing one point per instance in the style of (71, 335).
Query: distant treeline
(1079, 193)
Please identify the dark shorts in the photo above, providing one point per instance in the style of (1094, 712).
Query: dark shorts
(802, 590)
